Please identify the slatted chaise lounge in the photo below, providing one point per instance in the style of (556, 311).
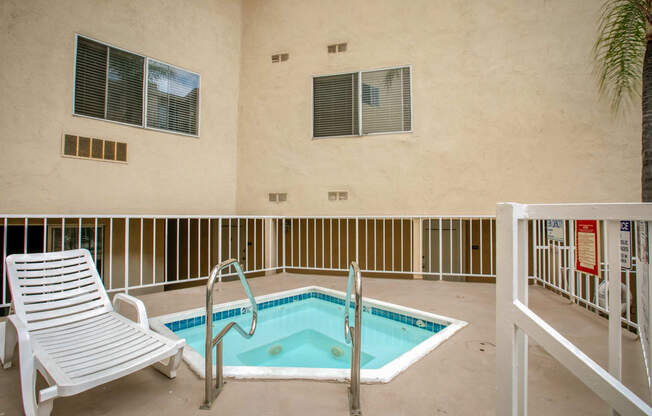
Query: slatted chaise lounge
(67, 330)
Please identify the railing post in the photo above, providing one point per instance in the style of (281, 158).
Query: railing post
(511, 284)
(357, 239)
(417, 248)
(127, 255)
(614, 301)
(571, 257)
(284, 246)
(522, 283)
(270, 246)
(644, 284)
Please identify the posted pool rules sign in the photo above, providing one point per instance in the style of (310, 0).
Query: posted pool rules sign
(586, 239)
(555, 230)
(626, 244)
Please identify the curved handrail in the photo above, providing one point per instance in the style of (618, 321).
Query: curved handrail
(353, 334)
(210, 341)
(354, 272)
(209, 303)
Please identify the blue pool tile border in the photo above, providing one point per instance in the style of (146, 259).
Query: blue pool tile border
(229, 313)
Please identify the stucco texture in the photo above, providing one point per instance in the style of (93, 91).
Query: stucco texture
(505, 107)
(165, 173)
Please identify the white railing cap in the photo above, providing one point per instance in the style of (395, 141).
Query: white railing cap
(603, 211)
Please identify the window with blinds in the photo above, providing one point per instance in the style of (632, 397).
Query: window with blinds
(110, 84)
(335, 105)
(384, 104)
(124, 100)
(172, 98)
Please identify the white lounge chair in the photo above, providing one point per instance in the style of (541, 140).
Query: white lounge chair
(67, 329)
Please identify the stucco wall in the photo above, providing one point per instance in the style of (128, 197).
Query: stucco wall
(504, 108)
(166, 173)
(504, 103)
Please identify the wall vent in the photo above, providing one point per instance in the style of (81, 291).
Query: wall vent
(338, 195)
(280, 57)
(337, 48)
(94, 148)
(278, 197)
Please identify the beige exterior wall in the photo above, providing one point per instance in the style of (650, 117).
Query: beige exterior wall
(504, 107)
(166, 173)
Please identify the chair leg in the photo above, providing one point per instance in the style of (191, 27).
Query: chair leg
(8, 341)
(28, 382)
(45, 408)
(28, 370)
(170, 368)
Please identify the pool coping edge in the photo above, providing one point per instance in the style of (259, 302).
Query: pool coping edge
(381, 375)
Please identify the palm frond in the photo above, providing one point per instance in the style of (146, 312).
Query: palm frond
(618, 53)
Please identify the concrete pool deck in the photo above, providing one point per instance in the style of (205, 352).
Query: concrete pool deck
(457, 378)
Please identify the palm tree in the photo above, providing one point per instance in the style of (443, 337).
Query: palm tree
(623, 56)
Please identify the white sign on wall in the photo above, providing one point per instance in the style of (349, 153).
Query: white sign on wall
(555, 230)
(643, 292)
(626, 244)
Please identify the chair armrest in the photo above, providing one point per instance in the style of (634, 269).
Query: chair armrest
(20, 333)
(136, 303)
(19, 325)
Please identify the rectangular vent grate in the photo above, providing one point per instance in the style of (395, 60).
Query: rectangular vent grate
(337, 48)
(338, 195)
(280, 57)
(278, 197)
(94, 148)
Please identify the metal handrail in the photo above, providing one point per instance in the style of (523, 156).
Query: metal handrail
(353, 335)
(211, 394)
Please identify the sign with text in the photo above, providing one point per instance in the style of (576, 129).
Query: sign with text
(626, 244)
(586, 240)
(643, 291)
(555, 230)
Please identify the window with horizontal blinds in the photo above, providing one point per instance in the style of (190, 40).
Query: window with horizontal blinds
(157, 95)
(125, 87)
(108, 82)
(90, 78)
(387, 108)
(385, 103)
(335, 107)
(172, 98)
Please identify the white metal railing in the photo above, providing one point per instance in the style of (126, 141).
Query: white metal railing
(437, 246)
(168, 250)
(553, 266)
(133, 252)
(140, 251)
(516, 323)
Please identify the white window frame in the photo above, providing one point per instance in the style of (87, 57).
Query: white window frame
(359, 98)
(146, 60)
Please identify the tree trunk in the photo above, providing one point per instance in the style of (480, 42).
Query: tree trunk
(646, 174)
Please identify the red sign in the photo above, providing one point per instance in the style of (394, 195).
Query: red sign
(586, 241)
